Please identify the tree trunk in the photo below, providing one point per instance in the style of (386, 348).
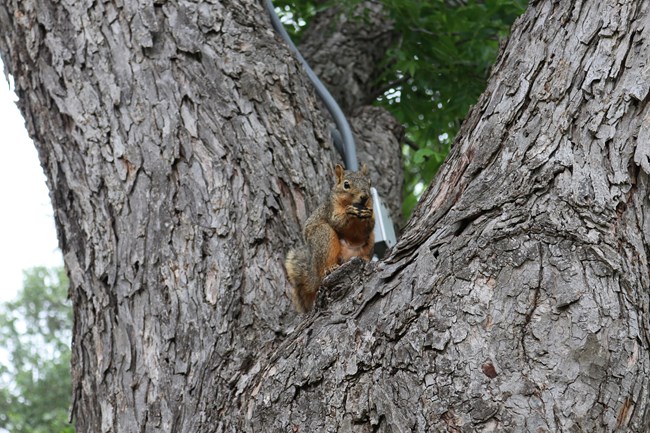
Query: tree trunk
(179, 143)
(182, 147)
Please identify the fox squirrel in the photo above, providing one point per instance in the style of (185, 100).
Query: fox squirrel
(339, 229)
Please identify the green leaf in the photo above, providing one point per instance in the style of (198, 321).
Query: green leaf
(421, 155)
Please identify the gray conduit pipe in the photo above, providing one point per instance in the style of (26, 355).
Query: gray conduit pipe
(349, 149)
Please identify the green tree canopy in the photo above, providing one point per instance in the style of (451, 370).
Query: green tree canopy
(35, 334)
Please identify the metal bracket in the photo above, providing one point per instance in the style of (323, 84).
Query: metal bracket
(384, 228)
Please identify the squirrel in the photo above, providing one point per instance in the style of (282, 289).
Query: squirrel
(339, 229)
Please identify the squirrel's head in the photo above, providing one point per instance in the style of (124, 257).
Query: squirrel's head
(353, 187)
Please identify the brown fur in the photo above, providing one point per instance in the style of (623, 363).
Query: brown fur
(339, 229)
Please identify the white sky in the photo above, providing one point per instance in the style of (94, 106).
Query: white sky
(27, 234)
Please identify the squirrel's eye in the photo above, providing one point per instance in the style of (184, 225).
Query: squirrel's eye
(346, 185)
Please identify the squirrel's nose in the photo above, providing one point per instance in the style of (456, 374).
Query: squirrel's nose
(364, 199)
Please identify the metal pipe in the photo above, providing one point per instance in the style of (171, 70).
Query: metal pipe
(349, 148)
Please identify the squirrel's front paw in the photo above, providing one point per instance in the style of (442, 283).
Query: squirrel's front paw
(330, 269)
(351, 210)
(364, 213)
(358, 212)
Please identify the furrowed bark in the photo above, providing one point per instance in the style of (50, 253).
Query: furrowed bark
(182, 148)
(517, 298)
(347, 48)
(182, 151)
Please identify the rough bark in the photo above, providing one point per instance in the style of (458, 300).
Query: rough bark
(182, 150)
(517, 299)
(346, 48)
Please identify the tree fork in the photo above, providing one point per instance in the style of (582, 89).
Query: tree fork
(180, 148)
(517, 298)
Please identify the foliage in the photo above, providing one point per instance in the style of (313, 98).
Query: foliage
(35, 333)
(441, 63)
(436, 69)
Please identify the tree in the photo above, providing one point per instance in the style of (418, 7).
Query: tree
(35, 329)
(183, 148)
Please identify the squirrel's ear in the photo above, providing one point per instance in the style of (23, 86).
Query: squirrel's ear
(339, 173)
(364, 169)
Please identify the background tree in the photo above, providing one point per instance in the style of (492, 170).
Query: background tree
(35, 331)
(183, 147)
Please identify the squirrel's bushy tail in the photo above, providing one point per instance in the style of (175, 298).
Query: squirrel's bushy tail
(303, 279)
